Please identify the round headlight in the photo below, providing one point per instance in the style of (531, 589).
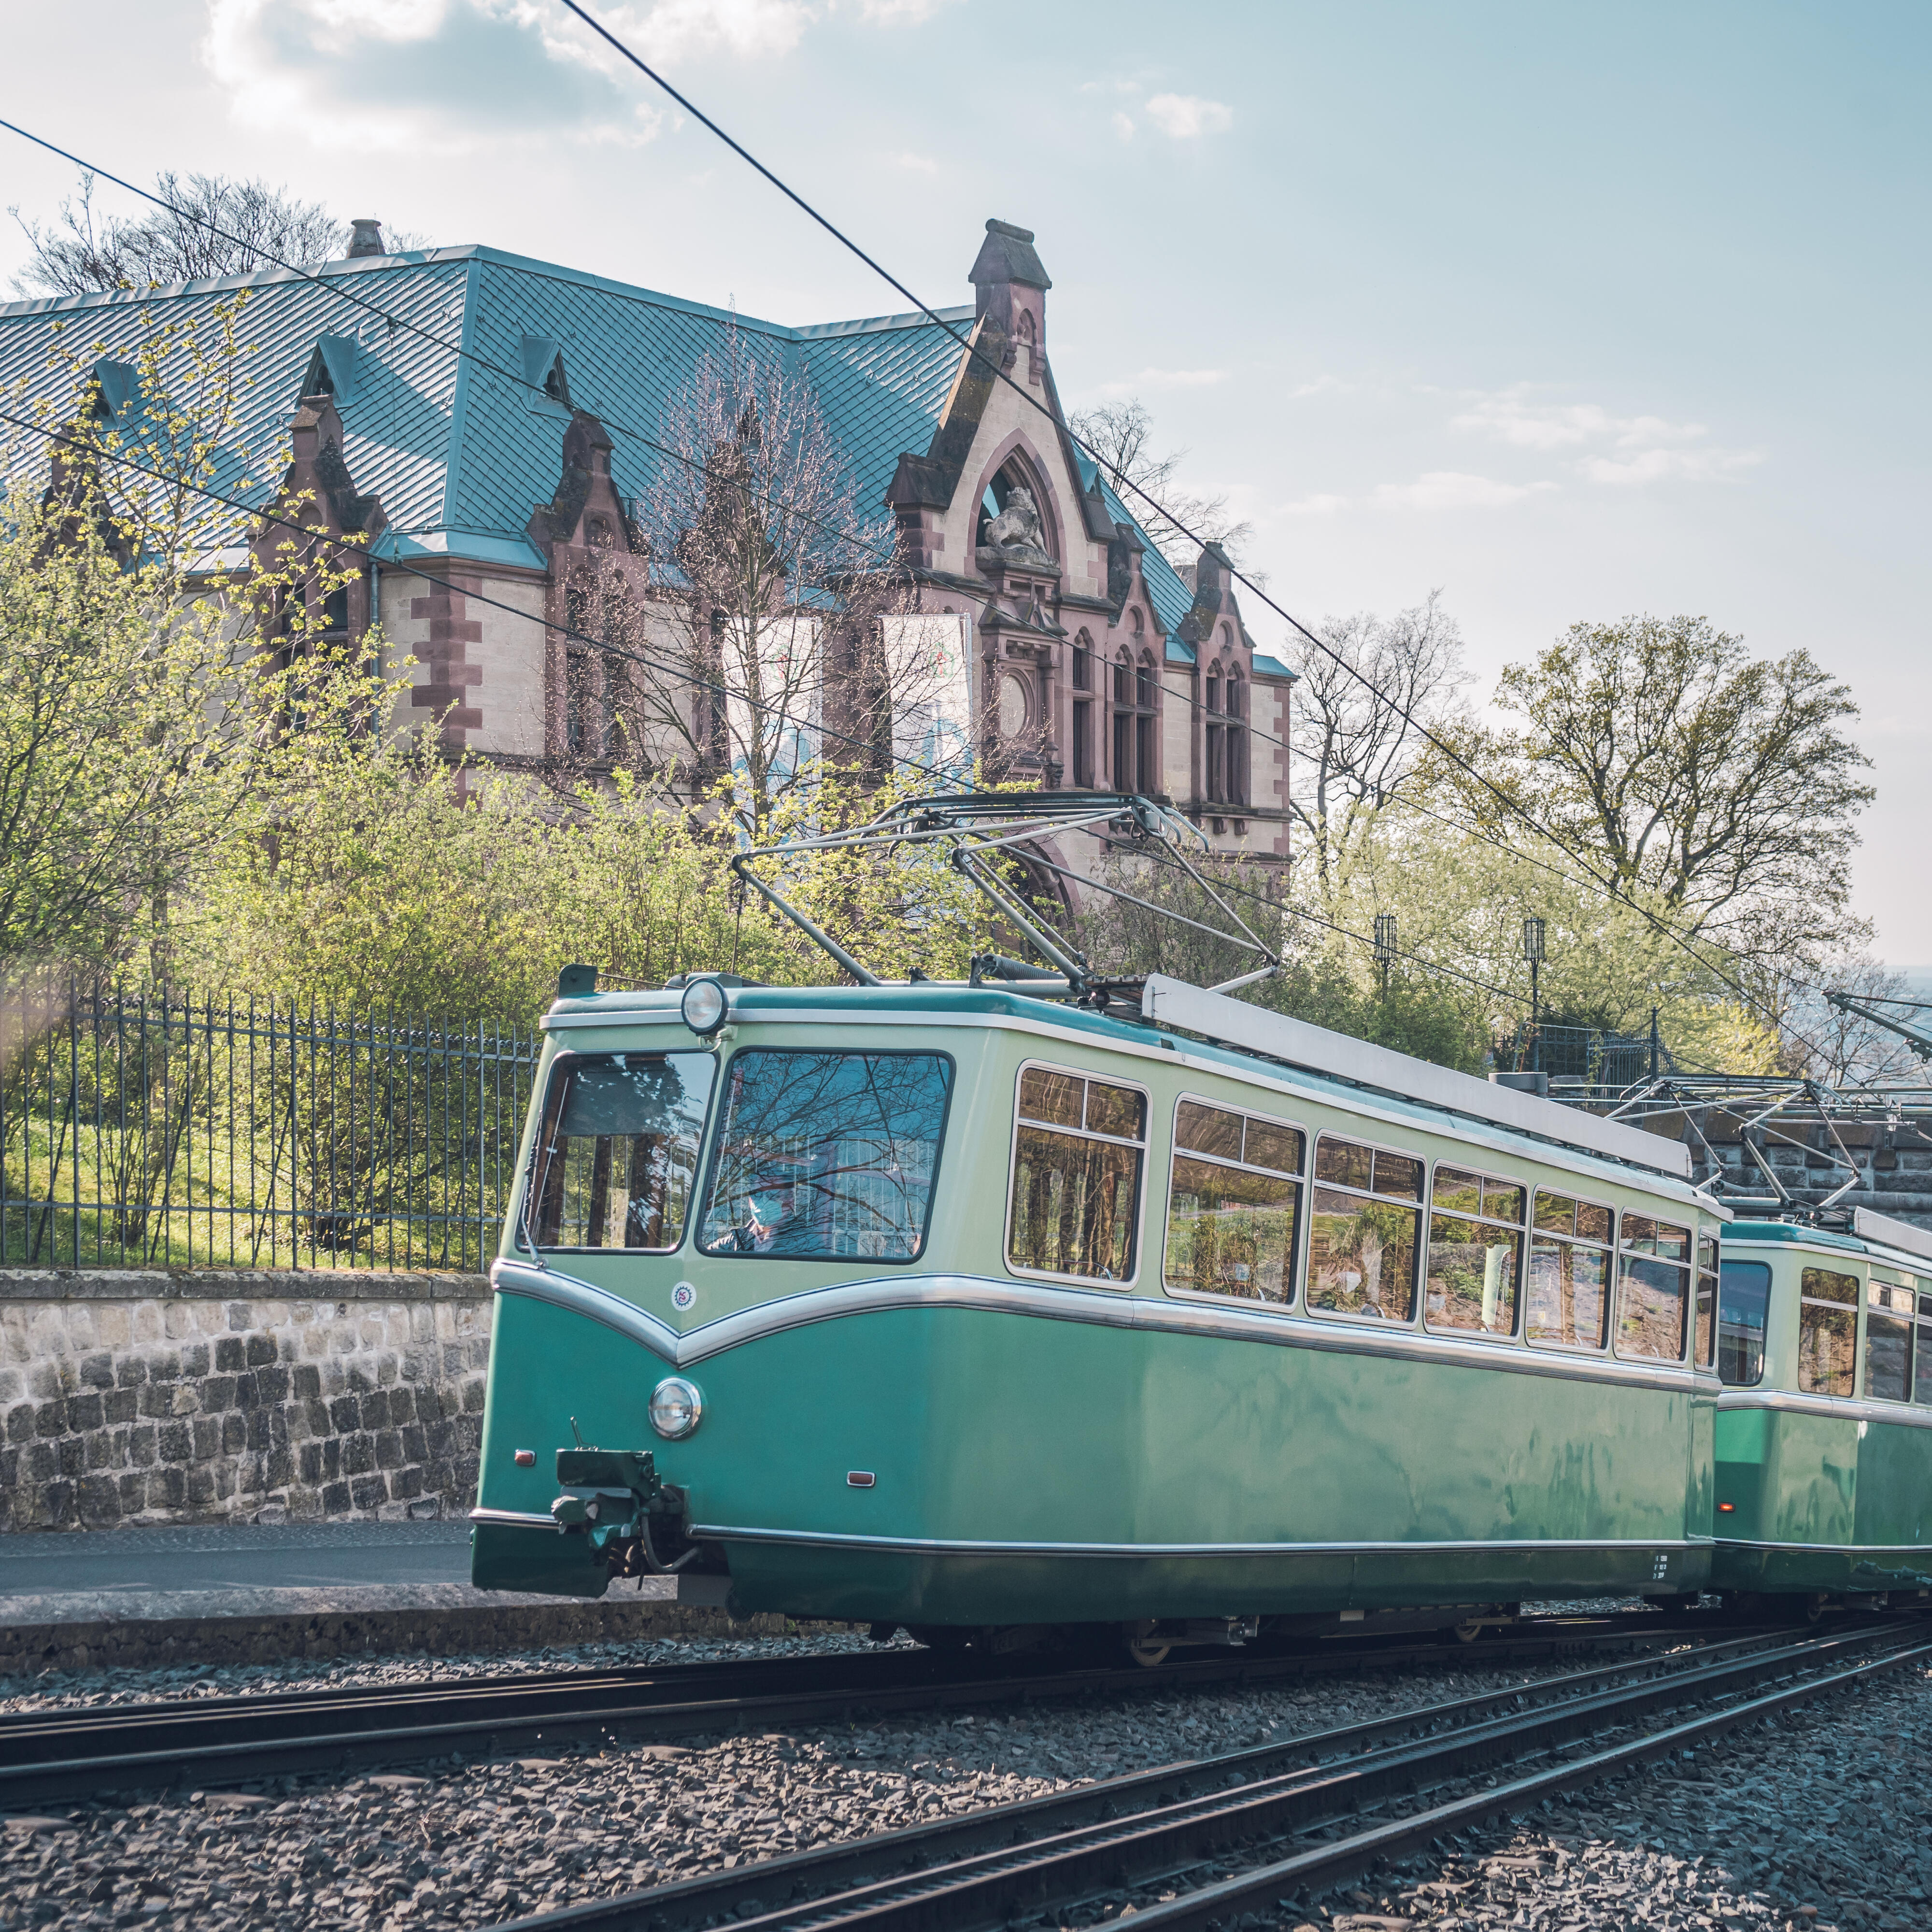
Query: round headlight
(704, 1006)
(676, 1407)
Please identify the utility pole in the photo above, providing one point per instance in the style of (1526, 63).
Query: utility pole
(1532, 951)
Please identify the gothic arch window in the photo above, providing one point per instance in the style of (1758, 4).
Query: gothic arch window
(1087, 701)
(1013, 502)
(594, 612)
(1136, 724)
(1224, 734)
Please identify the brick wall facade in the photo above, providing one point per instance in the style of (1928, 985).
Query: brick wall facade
(151, 1397)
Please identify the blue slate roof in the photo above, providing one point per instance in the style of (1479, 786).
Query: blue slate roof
(432, 354)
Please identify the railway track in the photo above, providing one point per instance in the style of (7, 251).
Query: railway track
(48, 1756)
(1298, 1815)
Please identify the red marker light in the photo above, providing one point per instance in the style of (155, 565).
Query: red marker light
(1725, 1509)
(526, 1459)
(859, 1479)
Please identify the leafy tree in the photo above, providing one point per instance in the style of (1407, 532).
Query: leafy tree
(136, 715)
(1723, 787)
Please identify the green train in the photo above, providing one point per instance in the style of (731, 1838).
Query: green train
(982, 1309)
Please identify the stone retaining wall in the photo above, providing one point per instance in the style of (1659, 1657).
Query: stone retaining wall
(131, 1397)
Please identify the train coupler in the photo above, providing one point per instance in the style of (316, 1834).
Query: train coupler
(634, 1520)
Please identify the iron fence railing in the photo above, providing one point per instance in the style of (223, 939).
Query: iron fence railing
(169, 1129)
(1592, 1054)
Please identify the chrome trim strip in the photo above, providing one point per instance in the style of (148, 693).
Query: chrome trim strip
(828, 1539)
(516, 1520)
(1642, 1177)
(1327, 1335)
(1839, 1407)
(1900, 1550)
(581, 1298)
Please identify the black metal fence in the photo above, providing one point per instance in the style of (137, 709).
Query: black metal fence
(164, 1129)
(1592, 1054)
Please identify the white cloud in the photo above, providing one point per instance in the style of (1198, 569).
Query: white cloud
(1453, 490)
(1657, 466)
(451, 75)
(1186, 117)
(1166, 379)
(900, 13)
(1612, 448)
(916, 164)
(1314, 506)
(1124, 126)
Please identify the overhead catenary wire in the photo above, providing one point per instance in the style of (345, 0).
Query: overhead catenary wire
(1607, 885)
(309, 531)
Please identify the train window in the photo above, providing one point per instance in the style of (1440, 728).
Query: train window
(1361, 1244)
(1078, 1144)
(1232, 1204)
(1704, 1350)
(1922, 1365)
(1828, 1326)
(617, 1149)
(826, 1156)
(1744, 1299)
(1474, 1253)
(1568, 1303)
(1653, 1289)
(1888, 1312)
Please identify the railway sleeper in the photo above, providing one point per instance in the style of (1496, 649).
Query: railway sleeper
(1161, 1828)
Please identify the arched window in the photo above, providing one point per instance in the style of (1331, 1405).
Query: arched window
(1014, 487)
(588, 720)
(1136, 739)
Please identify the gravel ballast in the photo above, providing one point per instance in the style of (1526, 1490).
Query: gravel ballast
(1821, 1811)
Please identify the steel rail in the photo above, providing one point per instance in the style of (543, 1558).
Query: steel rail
(76, 1752)
(1054, 1852)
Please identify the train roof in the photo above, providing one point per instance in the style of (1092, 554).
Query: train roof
(1558, 1133)
(1897, 1242)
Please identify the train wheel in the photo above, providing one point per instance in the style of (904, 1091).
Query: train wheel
(1467, 1633)
(1148, 1650)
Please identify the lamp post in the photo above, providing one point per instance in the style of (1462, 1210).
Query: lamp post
(1385, 946)
(1532, 951)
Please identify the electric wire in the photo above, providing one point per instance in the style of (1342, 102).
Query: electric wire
(1606, 884)
(313, 534)
(394, 321)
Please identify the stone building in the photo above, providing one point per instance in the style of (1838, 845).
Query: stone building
(479, 423)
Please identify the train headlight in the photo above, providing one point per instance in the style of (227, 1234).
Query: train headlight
(676, 1407)
(704, 1007)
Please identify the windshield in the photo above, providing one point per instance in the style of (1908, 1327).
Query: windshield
(617, 1157)
(827, 1156)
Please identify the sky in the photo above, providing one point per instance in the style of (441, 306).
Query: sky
(1568, 312)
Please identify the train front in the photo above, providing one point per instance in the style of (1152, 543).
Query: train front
(711, 1355)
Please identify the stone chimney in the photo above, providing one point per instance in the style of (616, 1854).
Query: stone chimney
(1009, 287)
(367, 238)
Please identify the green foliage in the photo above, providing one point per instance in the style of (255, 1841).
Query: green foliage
(1723, 787)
